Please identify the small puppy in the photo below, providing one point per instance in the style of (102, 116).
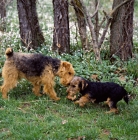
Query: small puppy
(96, 92)
(36, 68)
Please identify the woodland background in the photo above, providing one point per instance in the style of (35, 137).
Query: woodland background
(25, 116)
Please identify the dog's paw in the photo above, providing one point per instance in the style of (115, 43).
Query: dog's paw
(71, 98)
(112, 111)
(76, 102)
(56, 99)
(4, 96)
(39, 95)
(81, 104)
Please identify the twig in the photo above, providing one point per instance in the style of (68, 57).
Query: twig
(37, 101)
(96, 10)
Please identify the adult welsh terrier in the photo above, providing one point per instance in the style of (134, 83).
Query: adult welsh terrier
(36, 68)
(96, 92)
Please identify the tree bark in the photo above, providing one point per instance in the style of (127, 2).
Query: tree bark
(81, 23)
(96, 26)
(3, 14)
(61, 35)
(30, 32)
(121, 39)
(93, 34)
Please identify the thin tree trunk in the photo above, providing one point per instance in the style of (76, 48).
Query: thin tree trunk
(31, 35)
(96, 27)
(81, 23)
(61, 35)
(2, 15)
(93, 34)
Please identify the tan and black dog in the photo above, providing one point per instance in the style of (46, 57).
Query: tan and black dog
(36, 68)
(96, 92)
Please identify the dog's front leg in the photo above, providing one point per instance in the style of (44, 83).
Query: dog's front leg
(83, 100)
(36, 89)
(51, 92)
(70, 97)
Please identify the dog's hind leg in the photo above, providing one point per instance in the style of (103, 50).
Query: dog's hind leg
(112, 106)
(9, 83)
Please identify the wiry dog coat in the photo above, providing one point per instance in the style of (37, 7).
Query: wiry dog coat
(36, 68)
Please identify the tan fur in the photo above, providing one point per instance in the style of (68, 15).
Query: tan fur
(71, 90)
(114, 110)
(83, 100)
(12, 75)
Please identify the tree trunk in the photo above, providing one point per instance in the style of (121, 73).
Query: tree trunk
(31, 35)
(93, 34)
(2, 14)
(121, 42)
(96, 26)
(61, 35)
(81, 23)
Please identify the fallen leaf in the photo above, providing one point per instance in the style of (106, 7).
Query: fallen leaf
(122, 78)
(21, 109)
(64, 121)
(120, 70)
(79, 138)
(106, 132)
(94, 77)
(1, 108)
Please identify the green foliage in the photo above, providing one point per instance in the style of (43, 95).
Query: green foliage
(132, 68)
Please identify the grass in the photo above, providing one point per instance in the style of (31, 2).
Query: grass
(27, 117)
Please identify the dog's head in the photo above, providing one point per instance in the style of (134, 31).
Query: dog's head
(66, 73)
(76, 85)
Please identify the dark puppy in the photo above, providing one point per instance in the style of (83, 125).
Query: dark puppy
(36, 68)
(96, 92)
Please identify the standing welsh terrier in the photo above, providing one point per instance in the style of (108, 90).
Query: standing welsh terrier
(36, 68)
(96, 92)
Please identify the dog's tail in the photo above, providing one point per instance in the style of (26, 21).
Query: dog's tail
(126, 98)
(9, 52)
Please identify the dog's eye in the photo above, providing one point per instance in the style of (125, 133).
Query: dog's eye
(69, 73)
(68, 84)
(73, 86)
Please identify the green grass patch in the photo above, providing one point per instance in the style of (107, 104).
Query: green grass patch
(42, 118)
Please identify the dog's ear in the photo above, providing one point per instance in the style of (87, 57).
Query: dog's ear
(66, 65)
(83, 84)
